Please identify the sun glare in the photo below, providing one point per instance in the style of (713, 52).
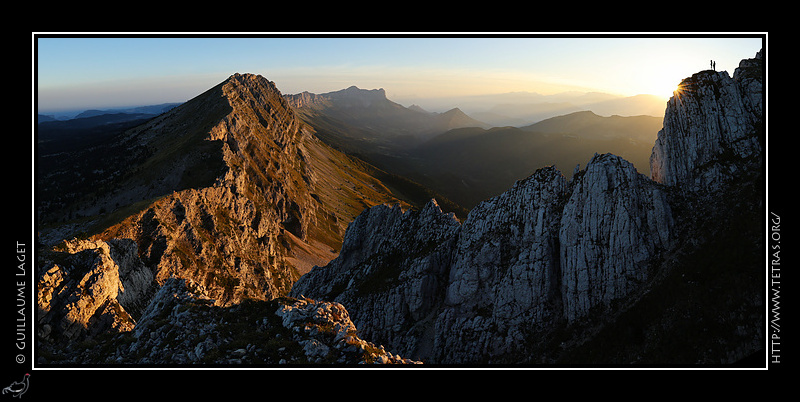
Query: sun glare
(662, 78)
(664, 86)
(679, 89)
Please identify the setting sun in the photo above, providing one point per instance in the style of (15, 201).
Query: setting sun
(661, 82)
(663, 88)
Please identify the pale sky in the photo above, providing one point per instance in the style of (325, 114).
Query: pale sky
(115, 71)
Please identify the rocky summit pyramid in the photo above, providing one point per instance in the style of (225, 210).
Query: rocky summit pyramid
(229, 192)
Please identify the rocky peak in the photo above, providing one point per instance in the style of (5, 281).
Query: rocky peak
(370, 249)
(279, 208)
(222, 237)
(255, 98)
(509, 238)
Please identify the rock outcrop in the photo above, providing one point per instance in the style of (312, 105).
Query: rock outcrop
(615, 222)
(394, 263)
(94, 287)
(180, 328)
(504, 272)
(543, 251)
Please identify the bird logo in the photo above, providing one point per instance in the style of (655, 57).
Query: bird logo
(18, 387)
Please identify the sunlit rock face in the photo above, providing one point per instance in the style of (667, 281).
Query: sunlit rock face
(712, 122)
(235, 194)
(266, 218)
(97, 287)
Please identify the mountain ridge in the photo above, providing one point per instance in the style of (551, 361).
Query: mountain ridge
(229, 192)
(588, 124)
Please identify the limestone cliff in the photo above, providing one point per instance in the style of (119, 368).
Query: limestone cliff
(394, 263)
(503, 276)
(614, 223)
(550, 264)
(713, 123)
(544, 250)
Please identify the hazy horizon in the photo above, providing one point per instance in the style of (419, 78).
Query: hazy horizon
(81, 73)
(467, 103)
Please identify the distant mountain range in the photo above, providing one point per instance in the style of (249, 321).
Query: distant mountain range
(471, 164)
(523, 108)
(150, 110)
(356, 119)
(648, 105)
(468, 160)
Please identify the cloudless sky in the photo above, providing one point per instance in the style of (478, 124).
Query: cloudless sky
(114, 71)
